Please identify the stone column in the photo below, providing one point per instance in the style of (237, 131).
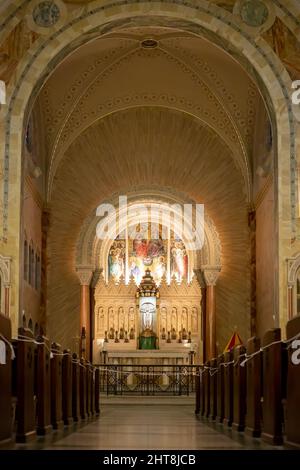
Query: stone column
(85, 277)
(210, 276)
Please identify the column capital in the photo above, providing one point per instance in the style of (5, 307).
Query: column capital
(200, 278)
(85, 274)
(211, 274)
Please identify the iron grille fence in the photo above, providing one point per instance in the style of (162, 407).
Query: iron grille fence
(147, 379)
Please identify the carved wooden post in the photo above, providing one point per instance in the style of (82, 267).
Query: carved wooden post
(5, 384)
(67, 387)
(293, 385)
(228, 388)
(43, 386)
(75, 388)
(254, 388)
(56, 387)
(197, 387)
(92, 390)
(23, 380)
(220, 389)
(272, 387)
(82, 388)
(213, 377)
(204, 372)
(206, 377)
(88, 388)
(97, 391)
(239, 389)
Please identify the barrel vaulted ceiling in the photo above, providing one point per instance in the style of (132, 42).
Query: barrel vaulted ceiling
(181, 72)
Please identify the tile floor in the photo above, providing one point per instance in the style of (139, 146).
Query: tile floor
(155, 425)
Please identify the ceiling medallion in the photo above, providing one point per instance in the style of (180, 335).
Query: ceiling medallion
(254, 13)
(46, 14)
(257, 16)
(149, 43)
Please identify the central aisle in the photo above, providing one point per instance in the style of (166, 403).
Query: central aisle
(145, 426)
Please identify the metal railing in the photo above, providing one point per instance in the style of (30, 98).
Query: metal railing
(147, 380)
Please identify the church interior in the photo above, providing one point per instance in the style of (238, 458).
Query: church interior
(182, 104)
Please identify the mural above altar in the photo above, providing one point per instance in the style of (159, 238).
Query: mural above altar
(161, 256)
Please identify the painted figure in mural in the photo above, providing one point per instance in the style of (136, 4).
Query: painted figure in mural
(116, 259)
(147, 253)
(178, 260)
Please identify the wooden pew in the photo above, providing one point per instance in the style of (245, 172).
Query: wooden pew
(213, 377)
(239, 389)
(42, 372)
(75, 388)
(23, 385)
(254, 388)
(56, 387)
(67, 388)
(220, 389)
(272, 388)
(228, 388)
(5, 384)
(83, 390)
(197, 390)
(293, 385)
(97, 391)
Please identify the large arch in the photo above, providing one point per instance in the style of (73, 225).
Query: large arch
(200, 18)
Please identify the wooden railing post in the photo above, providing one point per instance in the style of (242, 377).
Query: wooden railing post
(75, 388)
(43, 386)
(213, 377)
(293, 385)
(23, 380)
(56, 387)
(228, 388)
(254, 388)
(82, 388)
(88, 388)
(272, 387)
(92, 390)
(239, 389)
(220, 389)
(67, 388)
(206, 384)
(97, 391)
(197, 390)
(5, 384)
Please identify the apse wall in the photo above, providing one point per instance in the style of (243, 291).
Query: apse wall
(148, 147)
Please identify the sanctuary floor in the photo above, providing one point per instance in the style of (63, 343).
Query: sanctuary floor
(147, 425)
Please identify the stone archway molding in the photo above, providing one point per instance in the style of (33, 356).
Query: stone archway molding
(200, 16)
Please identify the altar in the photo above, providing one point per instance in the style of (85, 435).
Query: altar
(156, 357)
(147, 323)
